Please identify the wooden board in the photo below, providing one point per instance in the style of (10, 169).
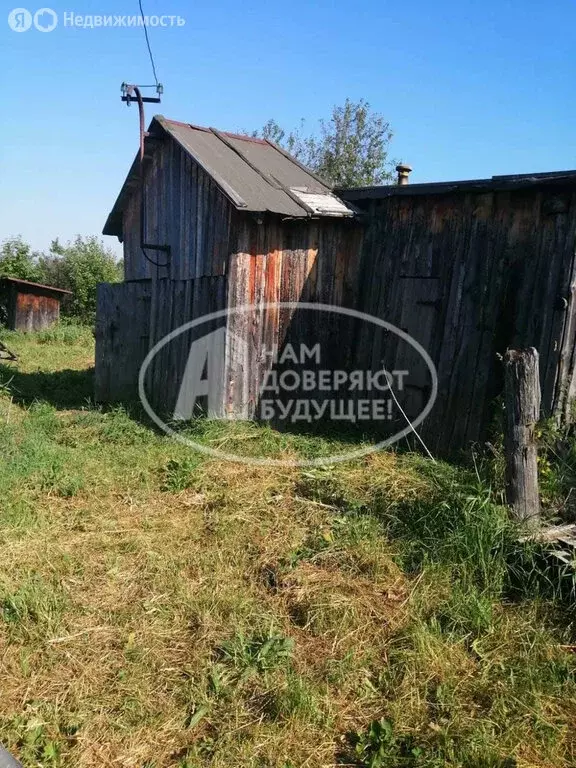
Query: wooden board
(122, 338)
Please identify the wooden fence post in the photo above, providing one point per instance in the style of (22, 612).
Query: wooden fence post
(522, 400)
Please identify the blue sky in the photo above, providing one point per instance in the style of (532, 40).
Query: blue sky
(471, 89)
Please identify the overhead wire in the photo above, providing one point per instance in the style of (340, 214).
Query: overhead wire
(143, 245)
(148, 42)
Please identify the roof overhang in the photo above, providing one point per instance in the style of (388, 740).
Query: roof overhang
(493, 184)
(255, 175)
(154, 137)
(30, 287)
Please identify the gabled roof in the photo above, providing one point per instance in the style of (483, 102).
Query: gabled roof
(255, 174)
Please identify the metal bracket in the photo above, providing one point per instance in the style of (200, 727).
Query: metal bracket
(129, 95)
(133, 93)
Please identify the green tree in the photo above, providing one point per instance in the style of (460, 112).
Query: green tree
(350, 149)
(18, 260)
(79, 266)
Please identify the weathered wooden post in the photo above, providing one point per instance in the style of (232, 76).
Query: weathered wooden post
(522, 400)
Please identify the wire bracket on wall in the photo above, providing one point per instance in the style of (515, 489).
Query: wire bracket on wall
(132, 93)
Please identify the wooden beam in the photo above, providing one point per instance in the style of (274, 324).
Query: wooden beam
(522, 400)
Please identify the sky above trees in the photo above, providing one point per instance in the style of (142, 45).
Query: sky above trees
(469, 90)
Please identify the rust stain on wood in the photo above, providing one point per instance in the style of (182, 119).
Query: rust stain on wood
(29, 306)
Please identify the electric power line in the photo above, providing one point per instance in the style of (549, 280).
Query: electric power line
(148, 42)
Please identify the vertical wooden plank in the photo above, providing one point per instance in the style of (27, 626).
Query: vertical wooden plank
(122, 338)
(200, 222)
(185, 255)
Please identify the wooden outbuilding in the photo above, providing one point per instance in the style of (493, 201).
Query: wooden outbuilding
(226, 220)
(468, 269)
(27, 306)
(471, 269)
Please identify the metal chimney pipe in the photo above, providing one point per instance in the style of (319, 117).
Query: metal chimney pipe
(403, 173)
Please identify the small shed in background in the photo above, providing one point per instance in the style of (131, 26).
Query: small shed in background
(26, 306)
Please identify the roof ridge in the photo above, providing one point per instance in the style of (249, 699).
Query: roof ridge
(231, 134)
(254, 174)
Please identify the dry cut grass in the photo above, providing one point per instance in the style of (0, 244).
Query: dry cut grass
(158, 610)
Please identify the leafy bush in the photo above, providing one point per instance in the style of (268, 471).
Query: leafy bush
(18, 260)
(78, 267)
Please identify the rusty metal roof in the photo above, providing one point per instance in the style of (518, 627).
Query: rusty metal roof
(255, 174)
(28, 284)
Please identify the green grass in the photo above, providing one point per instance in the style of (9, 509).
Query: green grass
(161, 609)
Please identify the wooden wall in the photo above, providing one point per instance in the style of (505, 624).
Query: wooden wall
(174, 303)
(220, 257)
(286, 261)
(271, 261)
(122, 338)
(185, 210)
(468, 275)
(28, 309)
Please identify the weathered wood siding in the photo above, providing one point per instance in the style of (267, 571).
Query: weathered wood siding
(122, 338)
(35, 312)
(274, 261)
(28, 309)
(185, 210)
(469, 275)
(285, 261)
(174, 303)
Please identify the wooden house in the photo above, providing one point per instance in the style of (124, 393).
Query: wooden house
(26, 306)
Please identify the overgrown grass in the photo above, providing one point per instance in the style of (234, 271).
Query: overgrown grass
(158, 608)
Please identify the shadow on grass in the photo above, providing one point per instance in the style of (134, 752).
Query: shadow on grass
(358, 434)
(71, 389)
(343, 432)
(65, 389)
